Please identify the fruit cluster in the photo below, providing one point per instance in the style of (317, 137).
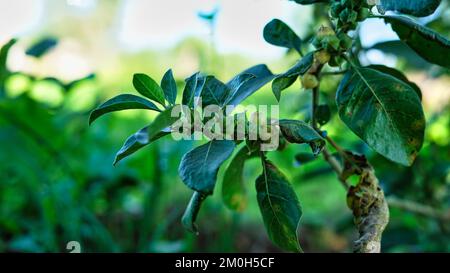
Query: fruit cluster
(348, 13)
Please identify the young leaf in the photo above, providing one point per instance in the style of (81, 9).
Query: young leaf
(198, 168)
(276, 32)
(161, 123)
(383, 111)
(399, 75)
(137, 141)
(262, 76)
(430, 45)
(147, 87)
(122, 102)
(191, 212)
(286, 79)
(418, 8)
(169, 86)
(296, 131)
(279, 207)
(233, 189)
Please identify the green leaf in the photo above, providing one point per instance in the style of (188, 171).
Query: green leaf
(399, 75)
(162, 122)
(279, 207)
(191, 212)
(418, 8)
(296, 131)
(262, 75)
(147, 87)
(198, 168)
(430, 45)
(236, 83)
(213, 92)
(281, 83)
(308, 2)
(233, 190)
(169, 86)
(286, 79)
(383, 111)
(42, 47)
(122, 102)
(276, 32)
(137, 141)
(193, 88)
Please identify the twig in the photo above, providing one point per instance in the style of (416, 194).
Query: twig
(336, 166)
(417, 208)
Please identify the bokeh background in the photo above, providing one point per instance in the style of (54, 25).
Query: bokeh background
(57, 182)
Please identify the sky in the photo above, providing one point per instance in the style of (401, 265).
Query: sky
(159, 24)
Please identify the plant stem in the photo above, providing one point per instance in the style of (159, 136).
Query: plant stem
(336, 166)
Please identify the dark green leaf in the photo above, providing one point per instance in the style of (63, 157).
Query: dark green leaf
(147, 87)
(137, 141)
(169, 86)
(233, 189)
(276, 32)
(412, 7)
(236, 83)
(190, 215)
(162, 122)
(432, 46)
(199, 167)
(213, 92)
(296, 131)
(193, 88)
(42, 47)
(262, 76)
(280, 83)
(279, 207)
(122, 102)
(383, 111)
(286, 79)
(399, 75)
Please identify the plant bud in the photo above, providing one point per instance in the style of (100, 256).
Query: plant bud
(322, 56)
(309, 81)
(324, 32)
